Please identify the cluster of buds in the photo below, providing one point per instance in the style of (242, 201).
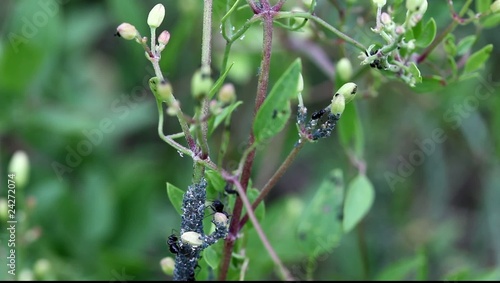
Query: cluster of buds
(388, 57)
(155, 18)
(318, 126)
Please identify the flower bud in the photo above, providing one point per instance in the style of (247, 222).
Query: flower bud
(156, 16)
(215, 107)
(164, 37)
(416, 6)
(348, 90)
(201, 83)
(300, 83)
(167, 265)
(379, 3)
(495, 6)
(338, 104)
(192, 238)
(42, 269)
(344, 69)
(20, 166)
(220, 219)
(227, 94)
(127, 31)
(385, 19)
(165, 91)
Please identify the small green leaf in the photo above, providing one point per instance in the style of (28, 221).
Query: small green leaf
(449, 45)
(358, 201)
(430, 84)
(211, 257)
(453, 65)
(350, 130)
(215, 121)
(428, 34)
(491, 21)
(465, 44)
(320, 227)
(175, 195)
(215, 180)
(219, 82)
(414, 32)
(415, 72)
(482, 5)
(477, 59)
(275, 111)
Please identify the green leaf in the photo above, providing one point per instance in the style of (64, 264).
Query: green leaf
(215, 121)
(320, 227)
(215, 180)
(275, 111)
(359, 199)
(428, 34)
(415, 72)
(465, 44)
(414, 32)
(491, 21)
(477, 59)
(211, 257)
(219, 82)
(453, 65)
(175, 195)
(449, 45)
(482, 5)
(351, 131)
(430, 84)
(405, 269)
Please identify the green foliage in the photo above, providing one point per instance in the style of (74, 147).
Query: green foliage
(175, 195)
(359, 198)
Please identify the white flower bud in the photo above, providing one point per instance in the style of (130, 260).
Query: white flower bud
(167, 265)
(348, 90)
(127, 31)
(192, 238)
(220, 219)
(227, 94)
(20, 166)
(416, 6)
(164, 37)
(495, 6)
(385, 19)
(156, 15)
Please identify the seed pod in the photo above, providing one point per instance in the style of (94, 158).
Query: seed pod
(348, 90)
(192, 238)
(156, 15)
(344, 69)
(338, 104)
(201, 83)
(164, 91)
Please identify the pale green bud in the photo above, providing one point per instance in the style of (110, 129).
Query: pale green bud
(227, 94)
(300, 83)
(164, 91)
(20, 166)
(416, 6)
(344, 69)
(127, 31)
(338, 104)
(192, 238)
(495, 6)
(348, 90)
(167, 265)
(201, 84)
(156, 15)
(42, 269)
(220, 219)
(379, 3)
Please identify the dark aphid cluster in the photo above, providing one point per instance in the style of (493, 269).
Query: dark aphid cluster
(326, 128)
(377, 63)
(173, 244)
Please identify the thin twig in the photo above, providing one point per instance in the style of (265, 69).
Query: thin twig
(284, 271)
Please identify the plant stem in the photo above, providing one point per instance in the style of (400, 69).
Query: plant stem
(245, 176)
(306, 15)
(284, 272)
(443, 34)
(274, 179)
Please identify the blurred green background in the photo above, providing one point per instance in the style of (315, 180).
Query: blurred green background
(67, 84)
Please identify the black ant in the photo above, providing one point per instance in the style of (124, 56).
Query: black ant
(218, 206)
(316, 115)
(173, 246)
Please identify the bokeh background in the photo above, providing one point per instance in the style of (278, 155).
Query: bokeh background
(105, 215)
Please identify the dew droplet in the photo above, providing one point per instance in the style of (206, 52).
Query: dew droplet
(242, 37)
(180, 153)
